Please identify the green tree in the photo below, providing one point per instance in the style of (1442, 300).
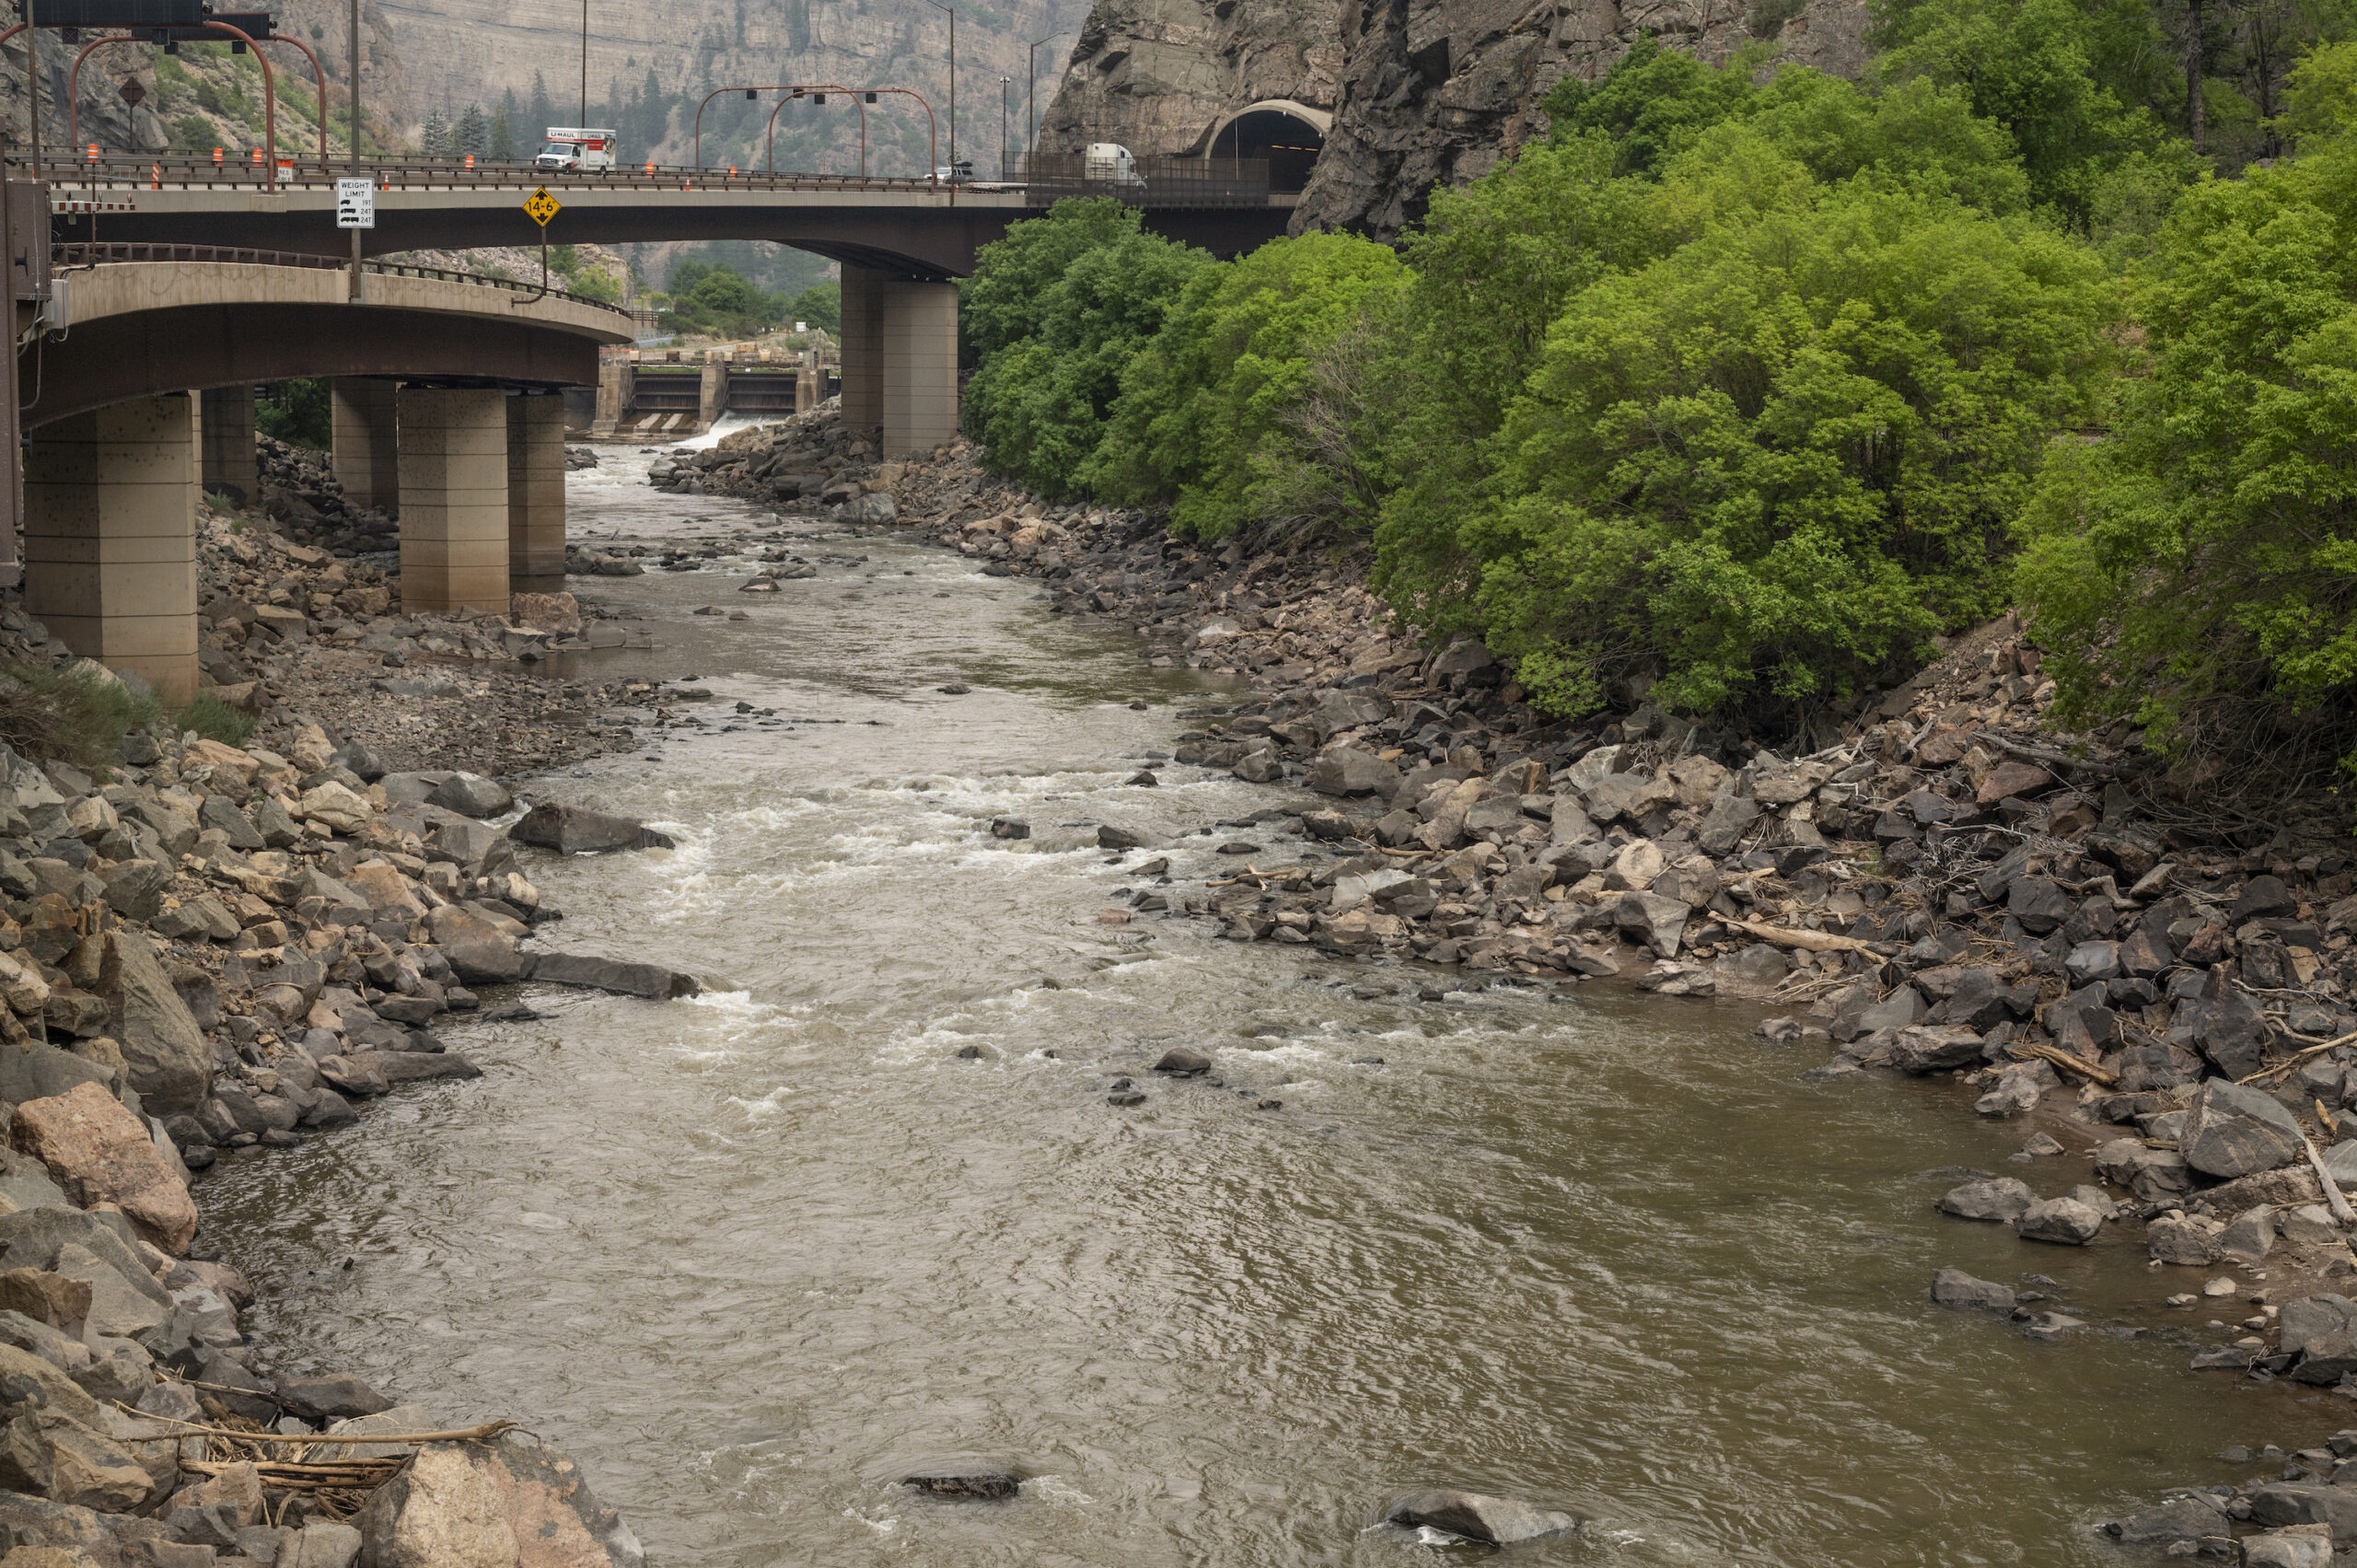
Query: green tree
(1057, 307)
(821, 305)
(2207, 549)
(298, 412)
(1774, 463)
(1208, 410)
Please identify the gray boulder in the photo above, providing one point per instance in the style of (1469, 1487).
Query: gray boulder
(1954, 1287)
(575, 829)
(477, 949)
(2302, 1546)
(1345, 769)
(2065, 1221)
(2236, 1130)
(1999, 1199)
(1499, 1521)
(2303, 1503)
(471, 794)
(164, 1053)
(1657, 919)
(1934, 1047)
(650, 981)
(2180, 1518)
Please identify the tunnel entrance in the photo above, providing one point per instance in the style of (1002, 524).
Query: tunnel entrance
(1289, 137)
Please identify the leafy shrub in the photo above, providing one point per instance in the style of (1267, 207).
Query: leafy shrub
(57, 713)
(301, 412)
(1055, 358)
(2208, 548)
(1207, 410)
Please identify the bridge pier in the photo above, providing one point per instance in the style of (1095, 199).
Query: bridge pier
(900, 359)
(454, 499)
(616, 392)
(110, 538)
(862, 347)
(536, 494)
(225, 417)
(367, 446)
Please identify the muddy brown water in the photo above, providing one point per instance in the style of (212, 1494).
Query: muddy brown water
(753, 1257)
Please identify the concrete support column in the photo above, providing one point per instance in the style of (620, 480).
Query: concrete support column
(862, 346)
(808, 381)
(920, 366)
(454, 499)
(536, 494)
(712, 390)
(616, 392)
(367, 445)
(110, 538)
(227, 436)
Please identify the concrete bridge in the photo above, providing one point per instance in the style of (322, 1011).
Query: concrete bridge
(136, 394)
(182, 284)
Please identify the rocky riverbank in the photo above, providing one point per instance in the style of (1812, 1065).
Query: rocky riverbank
(209, 951)
(1933, 882)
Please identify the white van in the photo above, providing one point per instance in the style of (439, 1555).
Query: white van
(574, 149)
(1110, 163)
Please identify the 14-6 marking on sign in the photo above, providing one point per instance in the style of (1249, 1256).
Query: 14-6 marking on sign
(541, 206)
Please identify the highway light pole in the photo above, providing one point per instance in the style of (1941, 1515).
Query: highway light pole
(585, 65)
(1003, 84)
(353, 64)
(1031, 101)
(952, 14)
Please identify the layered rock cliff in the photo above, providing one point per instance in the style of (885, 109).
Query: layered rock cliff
(1155, 75)
(1438, 91)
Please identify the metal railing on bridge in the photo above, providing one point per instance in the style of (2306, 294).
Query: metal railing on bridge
(64, 257)
(1152, 182)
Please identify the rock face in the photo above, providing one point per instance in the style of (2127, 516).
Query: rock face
(1500, 1521)
(499, 1505)
(100, 1153)
(1155, 75)
(1441, 91)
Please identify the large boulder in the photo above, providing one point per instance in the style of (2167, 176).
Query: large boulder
(1655, 919)
(1934, 1047)
(2001, 1199)
(481, 952)
(650, 981)
(98, 1153)
(471, 794)
(1346, 770)
(492, 1506)
(164, 1053)
(2234, 1130)
(1954, 1287)
(2063, 1220)
(1500, 1521)
(576, 829)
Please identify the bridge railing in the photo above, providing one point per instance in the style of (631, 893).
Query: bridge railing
(142, 172)
(1152, 182)
(62, 257)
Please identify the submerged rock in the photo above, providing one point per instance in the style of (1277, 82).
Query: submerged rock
(977, 1485)
(1500, 1521)
(576, 829)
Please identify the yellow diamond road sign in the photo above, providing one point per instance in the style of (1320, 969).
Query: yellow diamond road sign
(541, 206)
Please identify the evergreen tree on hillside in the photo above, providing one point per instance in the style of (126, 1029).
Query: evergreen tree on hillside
(502, 126)
(473, 133)
(543, 113)
(435, 140)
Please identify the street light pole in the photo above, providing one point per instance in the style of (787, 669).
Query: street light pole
(353, 64)
(585, 65)
(1003, 83)
(952, 14)
(1031, 101)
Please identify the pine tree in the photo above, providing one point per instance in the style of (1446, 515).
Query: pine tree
(473, 134)
(543, 112)
(435, 142)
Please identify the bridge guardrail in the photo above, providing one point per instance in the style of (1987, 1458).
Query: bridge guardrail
(140, 171)
(1152, 181)
(103, 254)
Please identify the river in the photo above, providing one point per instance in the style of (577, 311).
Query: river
(752, 1257)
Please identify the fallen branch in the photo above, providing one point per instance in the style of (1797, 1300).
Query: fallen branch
(2295, 1059)
(1812, 941)
(2061, 1058)
(482, 1433)
(333, 1475)
(2341, 1213)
